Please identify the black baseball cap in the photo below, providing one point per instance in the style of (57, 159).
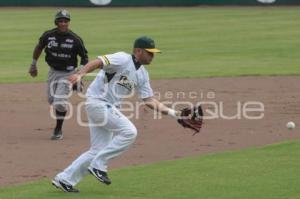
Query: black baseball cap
(146, 43)
(62, 14)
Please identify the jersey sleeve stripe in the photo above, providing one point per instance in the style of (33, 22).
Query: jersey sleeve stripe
(106, 60)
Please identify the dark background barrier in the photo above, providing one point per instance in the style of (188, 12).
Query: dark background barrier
(143, 2)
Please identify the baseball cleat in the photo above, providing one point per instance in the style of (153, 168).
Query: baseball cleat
(63, 186)
(57, 135)
(100, 175)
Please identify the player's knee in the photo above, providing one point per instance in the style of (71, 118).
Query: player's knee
(135, 132)
(131, 133)
(93, 151)
(61, 107)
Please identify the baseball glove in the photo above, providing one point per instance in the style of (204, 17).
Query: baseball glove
(191, 118)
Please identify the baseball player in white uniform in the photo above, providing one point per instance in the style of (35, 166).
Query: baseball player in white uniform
(111, 133)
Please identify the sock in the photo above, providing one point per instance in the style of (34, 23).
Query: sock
(60, 119)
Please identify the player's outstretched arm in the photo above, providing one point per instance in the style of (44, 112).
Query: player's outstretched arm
(154, 104)
(191, 118)
(89, 67)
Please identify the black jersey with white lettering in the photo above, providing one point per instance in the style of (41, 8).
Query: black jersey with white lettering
(62, 49)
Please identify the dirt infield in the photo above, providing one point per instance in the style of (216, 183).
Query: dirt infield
(27, 153)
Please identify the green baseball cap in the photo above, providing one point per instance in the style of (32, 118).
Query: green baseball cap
(146, 43)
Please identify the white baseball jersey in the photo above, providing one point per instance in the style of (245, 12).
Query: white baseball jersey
(111, 132)
(120, 77)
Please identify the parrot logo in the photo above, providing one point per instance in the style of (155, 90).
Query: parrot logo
(52, 44)
(125, 82)
(100, 2)
(266, 1)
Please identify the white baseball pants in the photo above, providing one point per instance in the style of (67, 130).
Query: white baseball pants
(111, 133)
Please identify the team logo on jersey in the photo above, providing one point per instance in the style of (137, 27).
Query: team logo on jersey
(66, 45)
(69, 40)
(52, 44)
(125, 82)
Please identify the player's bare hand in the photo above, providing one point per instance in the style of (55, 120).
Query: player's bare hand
(178, 113)
(33, 71)
(74, 78)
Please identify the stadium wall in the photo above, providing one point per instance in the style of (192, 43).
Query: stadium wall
(91, 3)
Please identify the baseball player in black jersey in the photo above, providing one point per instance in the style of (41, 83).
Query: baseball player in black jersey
(62, 46)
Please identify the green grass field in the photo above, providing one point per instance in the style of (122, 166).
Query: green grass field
(270, 172)
(196, 42)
